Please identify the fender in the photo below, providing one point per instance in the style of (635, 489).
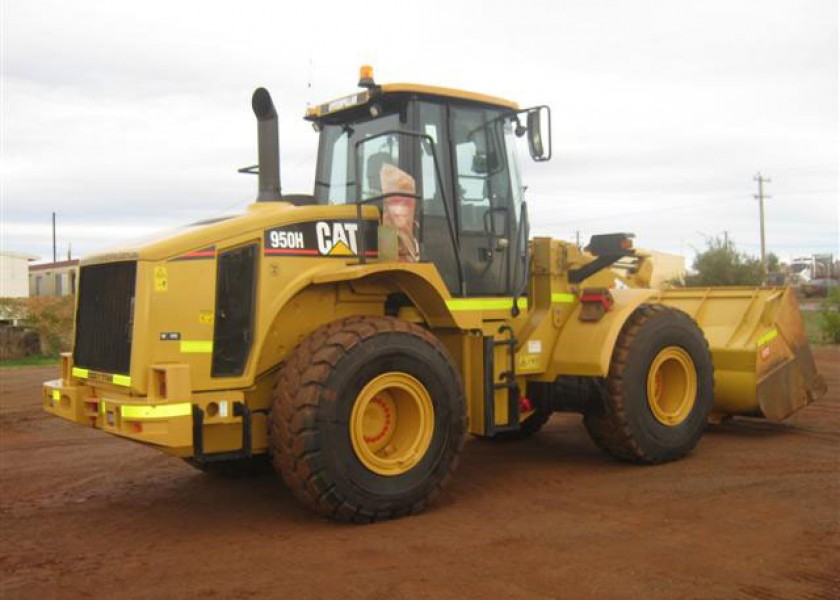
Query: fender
(316, 290)
(421, 282)
(585, 348)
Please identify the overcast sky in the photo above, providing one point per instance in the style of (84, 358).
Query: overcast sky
(130, 117)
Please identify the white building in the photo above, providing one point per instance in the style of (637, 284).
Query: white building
(54, 279)
(14, 274)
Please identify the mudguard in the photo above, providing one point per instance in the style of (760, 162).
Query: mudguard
(585, 347)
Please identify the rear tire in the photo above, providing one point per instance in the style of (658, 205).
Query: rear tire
(659, 389)
(368, 419)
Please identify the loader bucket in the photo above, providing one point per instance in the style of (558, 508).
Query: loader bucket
(763, 363)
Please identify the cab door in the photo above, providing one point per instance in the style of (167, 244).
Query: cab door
(483, 199)
(437, 212)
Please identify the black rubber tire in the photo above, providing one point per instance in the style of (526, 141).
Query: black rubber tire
(312, 401)
(235, 469)
(527, 429)
(624, 425)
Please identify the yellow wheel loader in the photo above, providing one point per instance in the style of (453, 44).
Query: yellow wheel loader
(354, 337)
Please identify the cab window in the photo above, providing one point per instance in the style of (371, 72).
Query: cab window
(335, 180)
(482, 186)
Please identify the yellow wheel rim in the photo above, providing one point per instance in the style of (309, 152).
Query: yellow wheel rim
(391, 424)
(671, 386)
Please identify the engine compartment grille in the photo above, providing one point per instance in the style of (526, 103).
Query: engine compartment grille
(105, 316)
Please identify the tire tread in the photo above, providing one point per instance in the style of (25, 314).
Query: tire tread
(298, 389)
(610, 427)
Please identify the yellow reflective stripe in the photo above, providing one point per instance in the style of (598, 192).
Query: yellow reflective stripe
(196, 347)
(563, 298)
(457, 304)
(123, 380)
(164, 411)
(767, 337)
(56, 395)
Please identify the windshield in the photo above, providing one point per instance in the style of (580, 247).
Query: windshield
(335, 181)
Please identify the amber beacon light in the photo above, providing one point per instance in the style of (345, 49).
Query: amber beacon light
(366, 76)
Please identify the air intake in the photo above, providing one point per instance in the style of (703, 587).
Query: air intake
(269, 146)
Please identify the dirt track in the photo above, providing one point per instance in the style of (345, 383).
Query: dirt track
(753, 513)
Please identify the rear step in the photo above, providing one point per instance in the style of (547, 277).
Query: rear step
(203, 458)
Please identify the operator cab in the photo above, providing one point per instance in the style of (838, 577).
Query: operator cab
(442, 167)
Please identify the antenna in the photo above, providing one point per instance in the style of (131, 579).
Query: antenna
(309, 84)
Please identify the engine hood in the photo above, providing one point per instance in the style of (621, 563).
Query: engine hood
(259, 217)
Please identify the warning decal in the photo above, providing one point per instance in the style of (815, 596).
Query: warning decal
(161, 284)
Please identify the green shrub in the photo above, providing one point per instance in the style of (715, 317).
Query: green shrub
(722, 264)
(50, 317)
(830, 316)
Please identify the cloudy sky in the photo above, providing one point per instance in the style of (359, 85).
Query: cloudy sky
(130, 117)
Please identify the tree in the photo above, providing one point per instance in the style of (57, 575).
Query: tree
(773, 263)
(722, 264)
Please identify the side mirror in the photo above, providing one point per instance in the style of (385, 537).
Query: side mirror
(539, 133)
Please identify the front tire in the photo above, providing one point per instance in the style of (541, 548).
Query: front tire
(368, 419)
(659, 389)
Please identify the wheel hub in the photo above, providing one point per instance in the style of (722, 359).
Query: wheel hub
(391, 423)
(671, 386)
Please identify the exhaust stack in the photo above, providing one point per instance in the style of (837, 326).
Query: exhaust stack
(269, 146)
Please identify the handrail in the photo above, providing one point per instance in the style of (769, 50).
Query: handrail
(359, 201)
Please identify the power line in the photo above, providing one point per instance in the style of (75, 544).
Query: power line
(653, 210)
(826, 167)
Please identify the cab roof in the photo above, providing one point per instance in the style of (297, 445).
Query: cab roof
(313, 113)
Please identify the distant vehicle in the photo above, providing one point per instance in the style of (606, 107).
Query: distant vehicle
(818, 287)
(775, 279)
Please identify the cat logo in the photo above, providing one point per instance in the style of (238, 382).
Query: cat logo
(337, 238)
(327, 238)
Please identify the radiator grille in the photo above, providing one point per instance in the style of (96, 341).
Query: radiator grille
(104, 317)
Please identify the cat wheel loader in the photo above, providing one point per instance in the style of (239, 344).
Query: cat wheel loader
(357, 335)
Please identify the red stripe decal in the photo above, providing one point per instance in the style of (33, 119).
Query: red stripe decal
(310, 252)
(290, 251)
(208, 252)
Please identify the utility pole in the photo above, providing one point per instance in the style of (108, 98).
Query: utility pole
(761, 196)
(55, 256)
(577, 238)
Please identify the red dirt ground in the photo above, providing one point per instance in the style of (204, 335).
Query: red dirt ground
(754, 512)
